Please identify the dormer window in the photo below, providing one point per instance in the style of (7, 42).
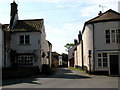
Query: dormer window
(24, 39)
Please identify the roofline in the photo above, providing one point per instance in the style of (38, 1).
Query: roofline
(99, 21)
(102, 14)
(31, 20)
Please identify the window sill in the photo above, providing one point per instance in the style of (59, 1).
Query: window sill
(24, 44)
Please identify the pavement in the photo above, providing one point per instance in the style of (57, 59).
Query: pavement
(63, 78)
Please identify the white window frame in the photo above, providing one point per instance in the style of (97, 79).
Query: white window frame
(102, 60)
(24, 39)
(27, 60)
(111, 36)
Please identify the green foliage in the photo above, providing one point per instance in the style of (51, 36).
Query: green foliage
(64, 57)
(68, 46)
(47, 70)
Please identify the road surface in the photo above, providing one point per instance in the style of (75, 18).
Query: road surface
(64, 78)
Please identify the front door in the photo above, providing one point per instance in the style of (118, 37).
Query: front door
(114, 67)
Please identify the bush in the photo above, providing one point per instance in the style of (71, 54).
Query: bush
(47, 70)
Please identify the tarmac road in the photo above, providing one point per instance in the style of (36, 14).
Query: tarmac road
(64, 78)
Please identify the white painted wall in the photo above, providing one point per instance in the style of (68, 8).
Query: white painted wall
(87, 44)
(100, 41)
(79, 54)
(34, 46)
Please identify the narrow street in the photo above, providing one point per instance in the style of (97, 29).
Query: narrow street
(64, 78)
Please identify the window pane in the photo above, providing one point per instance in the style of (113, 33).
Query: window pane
(104, 54)
(99, 60)
(26, 39)
(112, 31)
(107, 36)
(118, 31)
(104, 60)
(21, 39)
(107, 40)
(99, 64)
(105, 65)
(26, 36)
(107, 32)
(99, 55)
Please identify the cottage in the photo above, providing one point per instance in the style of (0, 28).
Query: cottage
(101, 43)
(25, 42)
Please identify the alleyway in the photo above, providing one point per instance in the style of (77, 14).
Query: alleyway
(64, 78)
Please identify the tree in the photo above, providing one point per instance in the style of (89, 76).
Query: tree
(68, 46)
(65, 59)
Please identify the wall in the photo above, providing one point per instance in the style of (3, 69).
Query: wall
(100, 42)
(87, 44)
(33, 47)
(1, 47)
(79, 54)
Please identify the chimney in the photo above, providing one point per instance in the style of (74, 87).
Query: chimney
(100, 13)
(13, 8)
(79, 37)
(75, 41)
(14, 14)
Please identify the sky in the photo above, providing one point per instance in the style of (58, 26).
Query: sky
(63, 19)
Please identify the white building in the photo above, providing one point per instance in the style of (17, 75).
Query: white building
(26, 44)
(60, 60)
(101, 41)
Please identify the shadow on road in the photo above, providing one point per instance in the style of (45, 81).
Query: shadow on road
(66, 74)
(21, 80)
(63, 73)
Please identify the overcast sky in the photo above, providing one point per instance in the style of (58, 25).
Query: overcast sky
(63, 19)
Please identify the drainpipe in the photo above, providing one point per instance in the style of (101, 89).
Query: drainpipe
(82, 55)
(93, 48)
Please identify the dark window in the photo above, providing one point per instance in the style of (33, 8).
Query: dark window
(27, 39)
(104, 54)
(21, 39)
(99, 55)
(107, 33)
(24, 39)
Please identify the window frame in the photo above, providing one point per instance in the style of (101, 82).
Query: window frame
(102, 60)
(24, 39)
(116, 36)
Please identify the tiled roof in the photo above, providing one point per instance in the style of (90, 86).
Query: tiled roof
(28, 25)
(71, 52)
(106, 16)
(109, 15)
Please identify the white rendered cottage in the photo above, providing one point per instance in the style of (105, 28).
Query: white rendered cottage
(27, 41)
(101, 43)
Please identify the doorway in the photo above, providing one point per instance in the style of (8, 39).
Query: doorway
(114, 67)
